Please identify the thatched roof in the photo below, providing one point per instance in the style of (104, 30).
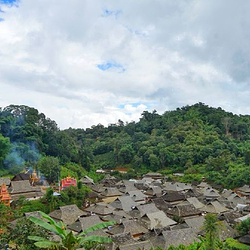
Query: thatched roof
(93, 195)
(158, 241)
(214, 207)
(137, 195)
(145, 245)
(244, 189)
(126, 186)
(172, 186)
(183, 210)
(123, 239)
(226, 231)
(76, 227)
(184, 186)
(195, 202)
(124, 203)
(133, 227)
(204, 185)
(211, 193)
(230, 217)
(122, 214)
(177, 237)
(99, 188)
(22, 187)
(108, 180)
(226, 193)
(245, 239)
(111, 191)
(35, 214)
(161, 204)
(242, 218)
(129, 226)
(152, 174)
(193, 193)
(173, 197)
(195, 223)
(117, 230)
(90, 221)
(5, 181)
(87, 180)
(154, 191)
(147, 208)
(158, 220)
(113, 217)
(68, 214)
(235, 199)
(100, 209)
(21, 177)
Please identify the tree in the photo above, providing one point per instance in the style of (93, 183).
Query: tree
(243, 228)
(68, 240)
(227, 123)
(50, 168)
(211, 228)
(4, 148)
(126, 154)
(18, 235)
(247, 157)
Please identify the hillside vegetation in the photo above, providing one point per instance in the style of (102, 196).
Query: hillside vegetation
(198, 140)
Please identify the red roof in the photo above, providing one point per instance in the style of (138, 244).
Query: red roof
(67, 182)
(4, 194)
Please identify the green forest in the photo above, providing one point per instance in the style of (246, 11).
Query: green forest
(197, 140)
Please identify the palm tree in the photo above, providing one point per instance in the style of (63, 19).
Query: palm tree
(68, 240)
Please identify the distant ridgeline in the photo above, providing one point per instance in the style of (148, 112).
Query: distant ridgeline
(197, 140)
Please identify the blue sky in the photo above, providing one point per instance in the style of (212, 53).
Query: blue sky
(88, 62)
(111, 65)
(8, 1)
(107, 13)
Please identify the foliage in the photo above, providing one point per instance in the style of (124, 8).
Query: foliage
(6, 215)
(68, 240)
(50, 168)
(197, 140)
(4, 147)
(18, 235)
(34, 205)
(211, 228)
(243, 227)
(233, 244)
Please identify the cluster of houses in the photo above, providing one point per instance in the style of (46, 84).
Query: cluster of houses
(152, 212)
(21, 184)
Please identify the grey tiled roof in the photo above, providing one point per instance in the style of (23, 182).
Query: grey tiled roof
(159, 220)
(177, 237)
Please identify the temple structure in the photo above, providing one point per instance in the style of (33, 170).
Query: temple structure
(67, 182)
(34, 177)
(4, 195)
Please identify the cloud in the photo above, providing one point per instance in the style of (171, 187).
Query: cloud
(90, 62)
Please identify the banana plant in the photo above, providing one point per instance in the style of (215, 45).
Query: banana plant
(68, 241)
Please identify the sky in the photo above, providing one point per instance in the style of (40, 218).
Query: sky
(96, 61)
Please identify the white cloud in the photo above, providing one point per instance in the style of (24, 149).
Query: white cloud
(171, 53)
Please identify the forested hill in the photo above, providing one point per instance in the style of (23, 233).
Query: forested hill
(198, 140)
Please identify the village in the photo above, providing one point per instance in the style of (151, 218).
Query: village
(149, 212)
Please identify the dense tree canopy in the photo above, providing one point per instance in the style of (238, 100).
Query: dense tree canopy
(198, 140)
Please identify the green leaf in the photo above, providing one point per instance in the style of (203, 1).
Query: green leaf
(44, 224)
(47, 217)
(97, 227)
(59, 227)
(36, 238)
(46, 244)
(96, 238)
